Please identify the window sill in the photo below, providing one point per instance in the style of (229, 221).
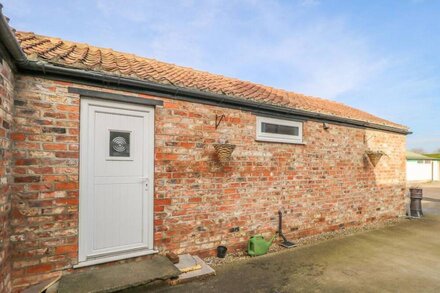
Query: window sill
(277, 141)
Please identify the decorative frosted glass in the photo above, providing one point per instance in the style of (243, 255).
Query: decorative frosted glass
(119, 144)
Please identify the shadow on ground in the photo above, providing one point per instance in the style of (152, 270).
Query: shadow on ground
(401, 258)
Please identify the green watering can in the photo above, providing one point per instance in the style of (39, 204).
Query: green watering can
(258, 246)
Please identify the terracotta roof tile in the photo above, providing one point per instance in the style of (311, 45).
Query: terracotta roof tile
(77, 55)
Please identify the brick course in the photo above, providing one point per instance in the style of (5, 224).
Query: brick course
(325, 185)
(6, 105)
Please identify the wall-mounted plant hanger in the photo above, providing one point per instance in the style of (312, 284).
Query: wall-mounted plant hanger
(224, 151)
(374, 156)
(218, 120)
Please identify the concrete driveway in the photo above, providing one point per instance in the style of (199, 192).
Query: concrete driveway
(400, 258)
(431, 198)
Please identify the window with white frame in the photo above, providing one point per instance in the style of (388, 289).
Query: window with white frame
(279, 130)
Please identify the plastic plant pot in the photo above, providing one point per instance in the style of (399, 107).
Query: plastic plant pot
(221, 251)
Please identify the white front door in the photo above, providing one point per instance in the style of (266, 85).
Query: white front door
(116, 180)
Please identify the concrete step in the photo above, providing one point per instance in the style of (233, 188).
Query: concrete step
(119, 276)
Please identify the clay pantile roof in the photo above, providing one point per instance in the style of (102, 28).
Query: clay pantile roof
(83, 56)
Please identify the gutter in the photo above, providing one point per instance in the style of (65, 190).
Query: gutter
(174, 92)
(169, 91)
(7, 37)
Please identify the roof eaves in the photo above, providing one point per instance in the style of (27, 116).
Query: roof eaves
(7, 37)
(173, 91)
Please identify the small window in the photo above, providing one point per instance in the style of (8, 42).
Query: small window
(278, 130)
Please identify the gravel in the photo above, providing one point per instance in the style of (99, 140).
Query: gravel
(241, 255)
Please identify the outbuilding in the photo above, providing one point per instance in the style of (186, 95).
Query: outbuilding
(421, 168)
(108, 156)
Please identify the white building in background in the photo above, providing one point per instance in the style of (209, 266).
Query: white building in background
(422, 168)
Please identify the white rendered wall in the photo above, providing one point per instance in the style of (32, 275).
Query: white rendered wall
(416, 171)
(436, 170)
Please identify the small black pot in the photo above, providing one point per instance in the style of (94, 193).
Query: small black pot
(221, 251)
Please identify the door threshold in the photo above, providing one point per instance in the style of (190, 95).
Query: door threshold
(97, 261)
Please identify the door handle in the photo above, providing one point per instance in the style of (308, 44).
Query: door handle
(146, 180)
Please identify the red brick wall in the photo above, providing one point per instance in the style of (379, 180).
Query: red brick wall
(6, 105)
(322, 186)
(45, 189)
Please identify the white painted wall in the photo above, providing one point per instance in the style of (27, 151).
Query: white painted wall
(418, 171)
(436, 170)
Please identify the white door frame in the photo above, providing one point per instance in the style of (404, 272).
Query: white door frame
(87, 105)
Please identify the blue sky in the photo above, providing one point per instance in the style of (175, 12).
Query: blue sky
(379, 56)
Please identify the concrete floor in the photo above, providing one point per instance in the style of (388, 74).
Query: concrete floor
(401, 258)
(118, 277)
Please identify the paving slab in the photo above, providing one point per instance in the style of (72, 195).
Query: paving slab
(204, 271)
(119, 276)
(188, 263)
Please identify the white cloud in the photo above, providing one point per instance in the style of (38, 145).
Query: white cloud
(322, 57)
(330, 58)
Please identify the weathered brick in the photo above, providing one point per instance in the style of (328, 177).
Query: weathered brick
(66, 249)
(41, 268)
(67, 108)
(26, 162)
(54, 130)
(66, 186)
(7, 84)
(54, 146)
(324, 185)
(18, 136)
(27, 179)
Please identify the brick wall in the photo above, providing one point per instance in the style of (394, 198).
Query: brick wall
(45, 199)
(6, 105)
(324, 185)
